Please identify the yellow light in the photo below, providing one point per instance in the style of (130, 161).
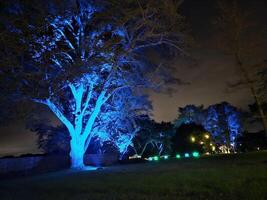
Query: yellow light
(201, 142)
(211, 144)
(213, 148)
(206, 136)
(193, 139)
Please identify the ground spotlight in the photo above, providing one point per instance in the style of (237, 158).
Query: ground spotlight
(156, 158)
(195, 154)
(186, 155)
(150, 158)
(178, 156)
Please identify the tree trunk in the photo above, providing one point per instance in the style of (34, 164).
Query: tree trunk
(254, 94)
(76, 154)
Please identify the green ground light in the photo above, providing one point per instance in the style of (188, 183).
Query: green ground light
(178, 156)
(166, 157)
(195, 154)
(156, 158)
(186, 155)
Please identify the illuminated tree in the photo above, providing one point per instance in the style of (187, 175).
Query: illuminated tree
(223, 121)
(119, 122)
(117, 125)
(81, 58)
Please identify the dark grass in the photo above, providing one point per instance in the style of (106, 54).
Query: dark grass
(239, 176)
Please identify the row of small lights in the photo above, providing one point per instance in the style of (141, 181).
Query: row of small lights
(195, 154)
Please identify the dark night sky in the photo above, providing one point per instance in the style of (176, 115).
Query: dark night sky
(208, 79)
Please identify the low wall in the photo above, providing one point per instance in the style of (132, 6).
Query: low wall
(16, 166)
(19, 166)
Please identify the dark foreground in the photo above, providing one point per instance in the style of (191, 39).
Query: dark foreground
(242, 176)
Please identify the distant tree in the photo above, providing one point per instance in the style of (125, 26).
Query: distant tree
(79, 57)
(251, 142)
(191, 137)
(52, 140)
(242, 38)
(190, 114)
(223, 121)
(153, 138)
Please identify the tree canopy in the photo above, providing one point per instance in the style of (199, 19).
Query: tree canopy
(85, 61)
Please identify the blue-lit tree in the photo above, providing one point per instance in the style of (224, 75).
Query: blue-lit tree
(81, 58)
(223, 121)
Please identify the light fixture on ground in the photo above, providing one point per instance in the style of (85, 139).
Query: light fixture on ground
(195, 154)
(178, 156)
(166, 157)
(150, 159)
(156, 158)
(186, 155)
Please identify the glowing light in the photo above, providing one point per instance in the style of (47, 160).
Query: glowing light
(211, 144)
(150, 159)
(195, 154)
(206, 136)
(258, 148)
(156, 158)
(186, 155)
(213, 148)
(90, 168)
(178, 156)
(201, 142)
(134, 156)
(193, 139)
(166, 157)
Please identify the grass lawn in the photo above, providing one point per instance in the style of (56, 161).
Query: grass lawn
(242, 176)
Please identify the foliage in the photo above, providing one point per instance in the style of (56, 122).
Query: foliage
(87, 66)
(189, 114)
(52, 140)
(188, 138)
(223, 121)
(251, 142)
(153, 138)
